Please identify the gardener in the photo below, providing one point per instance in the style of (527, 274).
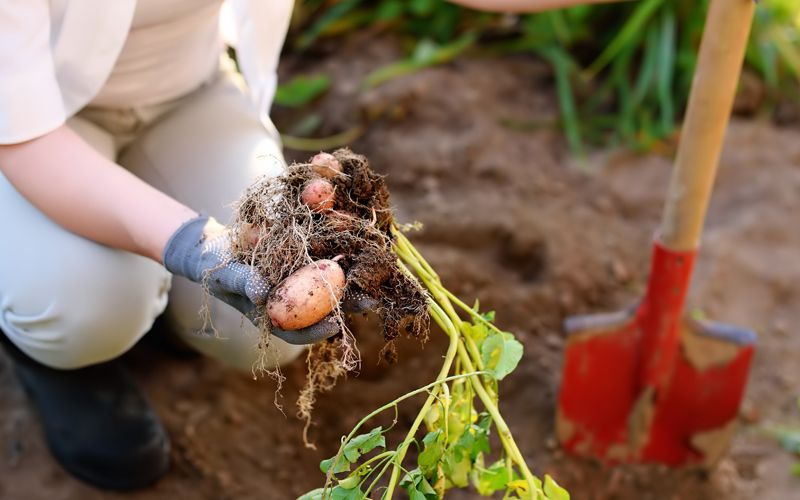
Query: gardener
(123, 140)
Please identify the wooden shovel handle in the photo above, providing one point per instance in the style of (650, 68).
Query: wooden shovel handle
(710, 102)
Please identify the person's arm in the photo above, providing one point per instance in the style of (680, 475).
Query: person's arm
(79, 189)
(93, 197)
(524, 5)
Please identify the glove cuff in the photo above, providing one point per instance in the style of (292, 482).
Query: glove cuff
(182, 245)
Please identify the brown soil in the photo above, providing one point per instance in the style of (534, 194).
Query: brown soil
(509, 219)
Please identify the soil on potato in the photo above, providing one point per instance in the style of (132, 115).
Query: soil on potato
(470, 151)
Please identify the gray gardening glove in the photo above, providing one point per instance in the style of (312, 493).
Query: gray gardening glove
(202, 254)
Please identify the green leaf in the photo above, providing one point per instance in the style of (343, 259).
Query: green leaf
(456, 468)
(364, 443)
(553, 490)
(350, 482)
(316, 494)
(795, 469)
(339, 493)
(477, 332)
(388, 10)
(431, 455)
(301, 90)
(342, 465)
(495, 478)
(421, 7)
(417, 486)
(501, 353)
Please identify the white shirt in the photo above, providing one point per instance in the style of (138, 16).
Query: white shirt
(56, 55)
(173, 46)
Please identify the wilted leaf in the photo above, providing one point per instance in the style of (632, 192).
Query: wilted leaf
(417, 486)
(495, 478)
(431, 454)
(501, 353)
(553, 490)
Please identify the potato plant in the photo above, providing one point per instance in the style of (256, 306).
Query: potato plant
(454, 423)
(325, 231)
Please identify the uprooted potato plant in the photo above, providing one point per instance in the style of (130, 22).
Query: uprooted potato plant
(331, 217)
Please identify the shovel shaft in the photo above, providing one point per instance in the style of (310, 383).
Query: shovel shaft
(710, 102)
(660, 314)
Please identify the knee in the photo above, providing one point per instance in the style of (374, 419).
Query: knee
(88, 317)
(229, 337)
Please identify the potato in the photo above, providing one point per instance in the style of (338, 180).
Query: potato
(307, 296)
(318, 195)
(326, 165)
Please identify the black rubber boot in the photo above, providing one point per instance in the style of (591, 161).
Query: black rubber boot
(96, 421)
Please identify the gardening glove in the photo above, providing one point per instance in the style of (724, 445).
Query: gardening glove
(201, 252)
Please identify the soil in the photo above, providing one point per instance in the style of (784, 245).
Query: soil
(511, 220)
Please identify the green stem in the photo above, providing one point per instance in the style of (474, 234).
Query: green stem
(502, 428)
(453, 332)
(467, 350)
(392, 404)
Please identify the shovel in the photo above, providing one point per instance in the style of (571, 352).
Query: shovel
(652, 384)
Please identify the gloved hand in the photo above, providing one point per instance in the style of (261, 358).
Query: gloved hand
(200, 251)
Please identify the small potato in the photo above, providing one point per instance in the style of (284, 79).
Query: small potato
(318, 195)
(307, 296)
(326, 165)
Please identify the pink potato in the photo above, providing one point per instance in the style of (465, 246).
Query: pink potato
(318, 195)
(326, 165)
(307, 296)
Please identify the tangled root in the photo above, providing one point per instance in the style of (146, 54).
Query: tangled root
(290, 235)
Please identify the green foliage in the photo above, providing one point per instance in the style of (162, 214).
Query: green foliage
(301, 90)
(622, 71)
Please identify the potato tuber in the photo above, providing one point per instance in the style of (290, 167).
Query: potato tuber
(307, 295)
(318, 195)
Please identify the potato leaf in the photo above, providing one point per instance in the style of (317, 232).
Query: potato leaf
(501, 353)
(456, 468)
(477, 331)
(339, 493)
(350, 482)
(418, 487)
(313, 494)
(475, 439)
(431, 454)
(495, 478)
(553, 490)
(364, 443)
(342, 465)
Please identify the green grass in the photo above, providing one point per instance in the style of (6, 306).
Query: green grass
(621, 71)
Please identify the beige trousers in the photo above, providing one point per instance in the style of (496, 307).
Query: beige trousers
(69, 302)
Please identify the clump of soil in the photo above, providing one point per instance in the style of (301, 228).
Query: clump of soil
(357, 231)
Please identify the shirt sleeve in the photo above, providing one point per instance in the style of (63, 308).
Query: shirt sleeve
(260, 30)
(30, 98)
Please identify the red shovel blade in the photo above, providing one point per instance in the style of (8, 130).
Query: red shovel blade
(647, 384)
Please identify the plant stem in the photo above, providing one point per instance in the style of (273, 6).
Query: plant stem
(468, 353)
(502, 428)
(452, 331)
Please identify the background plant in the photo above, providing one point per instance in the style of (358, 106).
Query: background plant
(621, 71)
